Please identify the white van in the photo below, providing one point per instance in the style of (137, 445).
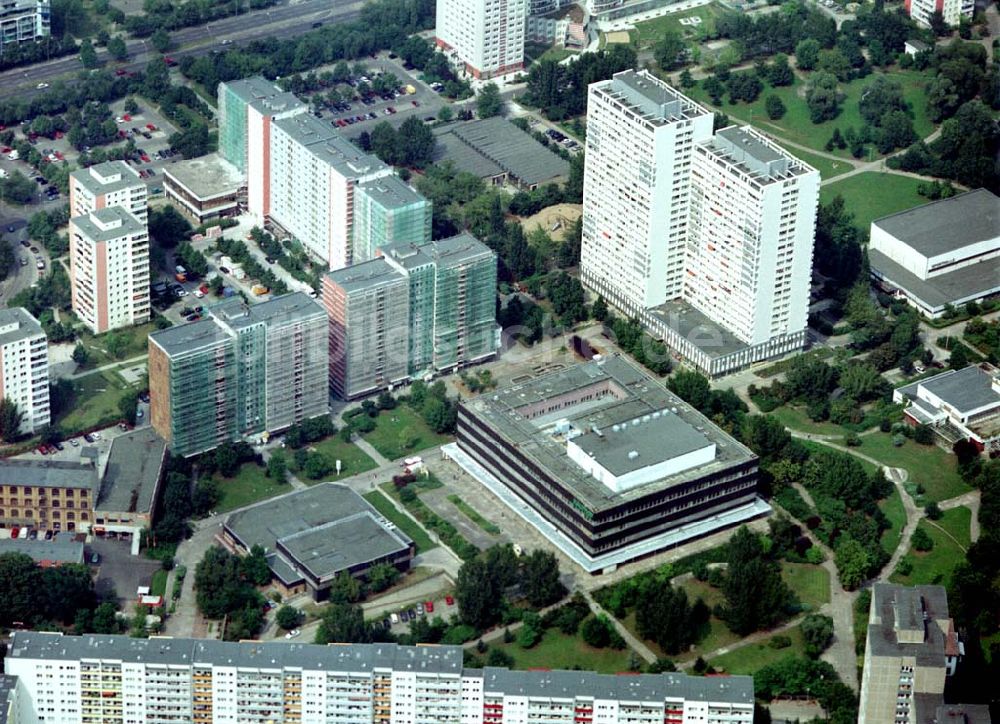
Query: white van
(13, 155)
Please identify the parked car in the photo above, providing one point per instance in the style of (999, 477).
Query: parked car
(429, 606)
(95, 558)
(450, 600)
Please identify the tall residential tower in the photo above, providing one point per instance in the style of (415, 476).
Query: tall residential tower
(112, 183)
(24, 367)
(486, 36)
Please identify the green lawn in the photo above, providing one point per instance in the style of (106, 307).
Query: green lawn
(403, 522)
(752, 657)
(934, 566)
(474, 515)
(928, 465)
(716, 635)
(158, 586)
(894, 511)
(94, 403)
(827, 167)
(249, 485)
(796, 418)
(796, 126)
(353, 460)
(956, 521)
(649, 31)
(386, 436)
(810, 583)
(556, 650)
(872, 195)
(815, 447)
(131, 342)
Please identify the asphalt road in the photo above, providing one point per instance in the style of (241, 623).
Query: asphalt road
(280, 21)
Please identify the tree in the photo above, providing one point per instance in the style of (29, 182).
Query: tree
(921, 540)
(663, 614)
(20, 585)
(756, 595)
(822, 97)
(105, 619)
(599, 311)
(853, 562)
(10, 420)
(88, 56)
(690, 386)
(192, 141)
(774, 106)
(407, 438)
(342, 623)
(817, 630)
(597, 631)
(254, 566)
(128, 406)
(117, 48)
(957, 360)
(277, 467)
(346, 589)
(168, 227)
(66, 590)
(807, 54)
(540, 578)
(221, 586)
(227, 461)
(382, 576)
(488, 102)
(937, 23)
(288, 617)
(161, 40)
(669, 50)
(445, 114)
(779, 72)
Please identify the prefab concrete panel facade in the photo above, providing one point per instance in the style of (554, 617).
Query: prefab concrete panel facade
(297, 371)
(465, 311)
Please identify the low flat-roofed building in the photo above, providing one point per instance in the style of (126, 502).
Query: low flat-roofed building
(46, 553)
(958, 404)
(930, 710)
(205, 188)
(313, 535)
(129, 485)
(612, 466)
(49, 494)
(943, 253)
(497, 150)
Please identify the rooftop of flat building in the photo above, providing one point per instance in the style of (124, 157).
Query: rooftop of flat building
(263, 95)
(755, 154)
(45, 553)
(391, 192)
(306, 129)
(622, 393)
(205, 177)
(16, 324)
(966, 390)
(947, 225)
(974, 281)
(692, 324)
(107, 177)
(163, 651)
(916, 609)
(277, 311)
(49, 474)
(111, 222)
(132, 472)
(957, 714)
(366, 275)
(324, 142)
(453, 251)
(650, 97)
(189, 337)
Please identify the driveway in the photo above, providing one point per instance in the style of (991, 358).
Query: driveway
(119, 570)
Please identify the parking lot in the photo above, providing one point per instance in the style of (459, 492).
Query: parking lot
(118, 570)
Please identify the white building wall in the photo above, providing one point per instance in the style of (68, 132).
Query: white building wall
(258, 142)
(472, 700)
(25, 379)
(50, 689)
(487, 36)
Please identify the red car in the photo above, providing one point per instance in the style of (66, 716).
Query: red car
(449, 600)
(145, 158)
(59, 155)
(429, 606)
(150, 126)
(126, 117)
(14, 530)
(120, 72)
(169, 61)
(43, 449)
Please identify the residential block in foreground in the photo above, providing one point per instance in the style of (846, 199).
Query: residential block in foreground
(96, 678)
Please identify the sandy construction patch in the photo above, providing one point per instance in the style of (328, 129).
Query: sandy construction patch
(554, 219)
(618, 36)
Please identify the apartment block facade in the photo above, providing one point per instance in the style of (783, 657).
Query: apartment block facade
(486, 37)
(246, 109)
(96, 679)
(750, 235)
(387, 210)
(109, 269)
(24, 367)
(951, 10)
(705, 236)
(112, 183)
(22, 21)
(239, 372)
(48, 494)
(641, 136)
(414, 310)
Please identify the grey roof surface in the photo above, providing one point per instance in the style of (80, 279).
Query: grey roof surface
(367, 275)
(449, 148)
(128, 177)
(453, 251)
(325, 143)
(966, 389)
(26, 325)
(325, 528)
(263, 95)
(48, 474)
(128, 224)
(655, 440)
(206, 176)
(968, 282)
(755, 154)
(650, 97)
(391, 192)
(341, 544)
(641, 687)
(8, 685)
(947, 224)
(52, 551)
(961, 714)
(132, 473)
(277, 311)
(637, 394)
(252, 654)
(710, 337)
(183, 338)
(917, 608)
(512, 149)
(306, 129)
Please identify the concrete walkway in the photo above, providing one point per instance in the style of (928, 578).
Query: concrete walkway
(108, 366)
(971, 501)
(374, 454)
(634, 643)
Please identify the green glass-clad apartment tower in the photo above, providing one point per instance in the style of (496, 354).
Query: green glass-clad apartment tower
(388, 211)
(240, 372)
(445, 320)
(235, 98)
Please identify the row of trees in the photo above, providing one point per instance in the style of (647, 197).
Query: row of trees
(560, 91)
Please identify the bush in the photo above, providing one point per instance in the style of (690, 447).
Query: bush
(289, 617)
(932, 511)
(921, 541)
(779, 642)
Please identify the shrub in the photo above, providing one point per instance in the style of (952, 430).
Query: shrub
(779, 642)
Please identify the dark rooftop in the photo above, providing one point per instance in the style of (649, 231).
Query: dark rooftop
(966, 390)
(366, 275)
(48, 474)
(189, 337)
(16, 324)
(947, 224)
(45, 552)
(968, 282)
(132, 473)
(901, 609)
(286, 309)
(755, 154)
